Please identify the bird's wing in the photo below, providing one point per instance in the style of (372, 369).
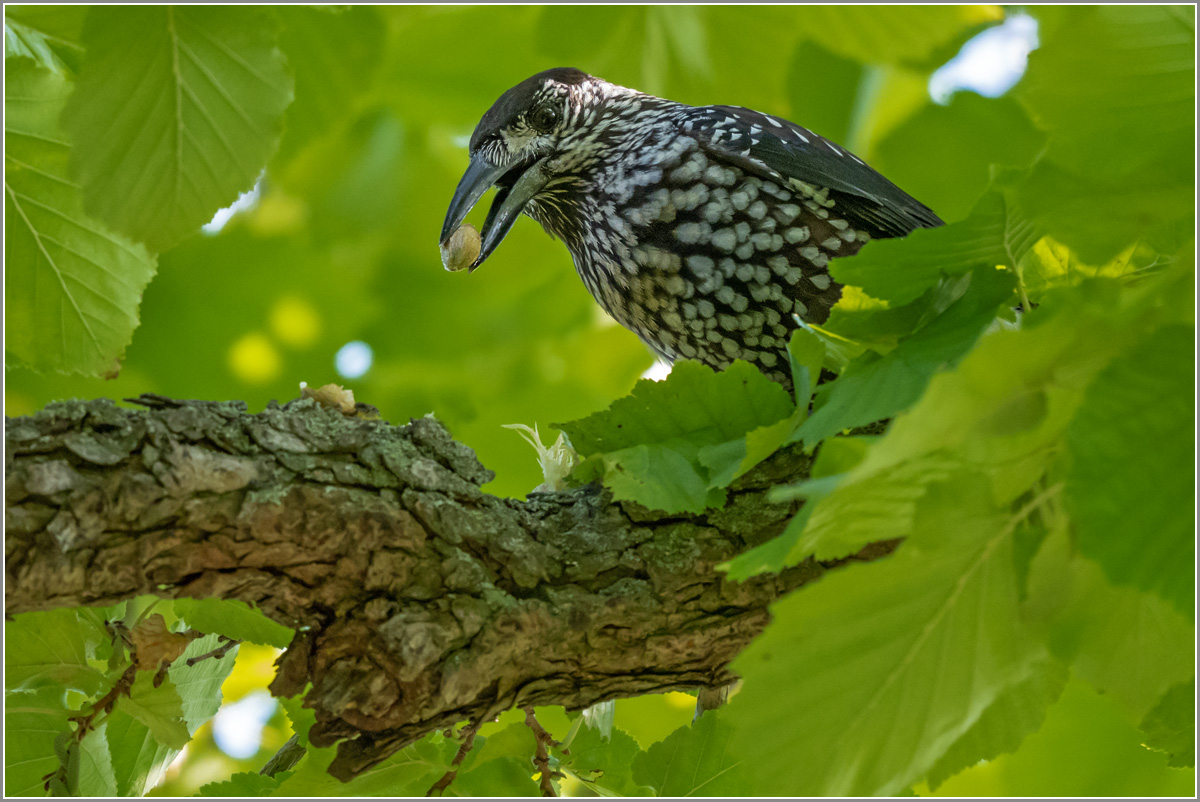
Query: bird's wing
(775, 149)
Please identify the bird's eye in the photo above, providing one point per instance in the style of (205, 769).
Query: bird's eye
(544, 118)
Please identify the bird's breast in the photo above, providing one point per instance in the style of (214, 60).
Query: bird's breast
(703, 260)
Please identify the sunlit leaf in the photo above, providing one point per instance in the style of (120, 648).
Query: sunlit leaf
(697, 760)
(51, 648)
(160, 709)
(873, 387)
(900, 270)
(892, 34)
(671, 444)
(201, 92)
(606, 761)
(895, 659)
(234, 619)
(1015, 714)
(32, 722)
(72, 287)
(48, 34)
(139, 760)
(95, 776)
(1115, 87)
(199, 685)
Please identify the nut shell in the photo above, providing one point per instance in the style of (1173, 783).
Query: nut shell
(462, 250)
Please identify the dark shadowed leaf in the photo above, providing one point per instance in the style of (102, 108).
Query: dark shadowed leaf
(1171, 726)
(1132, 477)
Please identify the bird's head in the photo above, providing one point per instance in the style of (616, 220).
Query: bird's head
(518, 147)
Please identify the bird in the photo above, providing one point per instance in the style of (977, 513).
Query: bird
(705, 230)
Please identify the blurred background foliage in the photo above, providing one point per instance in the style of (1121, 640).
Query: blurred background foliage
(327, 270)
(339, 242)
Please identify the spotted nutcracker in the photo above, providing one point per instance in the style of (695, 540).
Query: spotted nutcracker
(706, 230)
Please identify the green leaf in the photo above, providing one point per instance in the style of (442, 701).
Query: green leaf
(664, 50)
(509, 776)
(95, 777)
(839, 455)
(199, 685)
(301, 718)
(696, 760)
(52, 648)
(806, 351)
(32, 722)
(605, 761)
(857, 513)
(820, 106)
(669, 445)
(1097, 219)
(139, 761)
(891, 34)
(969, 136)
(72, 287)
(201, 92)
(900, 270)
(873, 388)
(502, 767)
(890, 662)
(1129, 644)
(234, 619)
(1171, 726)
(694, 406)
(1085, 748)
(333, 60)
(47, 34)
(242, 784)
(1016, 713)
(21, 41)
(1057, 351)
(409, 772)
(657, 477)
(1115, 87)
(1132, 481)
(160, 709)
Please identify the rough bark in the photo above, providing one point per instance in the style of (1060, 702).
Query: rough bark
(419, 600)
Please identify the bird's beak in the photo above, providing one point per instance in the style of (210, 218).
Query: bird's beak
(481, 176)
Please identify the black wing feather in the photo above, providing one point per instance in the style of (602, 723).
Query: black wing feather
(775, 149)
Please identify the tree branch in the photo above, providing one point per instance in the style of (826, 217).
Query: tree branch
(419, 600)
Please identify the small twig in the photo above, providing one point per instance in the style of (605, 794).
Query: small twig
(441, 785)
(218, 652)
(105, 703)
(541, 758)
